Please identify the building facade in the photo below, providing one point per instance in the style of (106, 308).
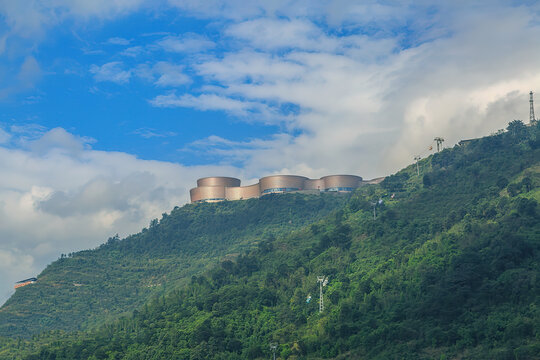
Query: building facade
(218, 188)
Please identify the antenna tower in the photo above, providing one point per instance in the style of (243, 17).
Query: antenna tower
(532, 119)
(439, 141)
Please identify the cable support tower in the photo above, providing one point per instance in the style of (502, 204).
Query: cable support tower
(439, 141)
(374, 204)
(532, 119)
(323, 281)
(273, 347)
(417, 158)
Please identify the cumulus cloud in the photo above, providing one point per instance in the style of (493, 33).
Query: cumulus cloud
(30, 70)
(148, 133)
(170, 74)
(185, 43)
(4, 136)
(57, 195)
(111, 71)
(133, 51)
(31, 18)
(371, 102)
(248, 110)
(118, 41)
(238, 10)
(163, 74)
(275, 34)
(3, 40)
(58, 139)
(202, 102)
(28, 74)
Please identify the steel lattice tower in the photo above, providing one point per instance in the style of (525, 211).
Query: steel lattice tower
(532, 119)
(439, 141)
(322, 280)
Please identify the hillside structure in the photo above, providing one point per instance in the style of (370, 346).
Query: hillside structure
(25, 282)
(220, 188)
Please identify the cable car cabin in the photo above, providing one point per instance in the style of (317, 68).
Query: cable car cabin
(25, 282)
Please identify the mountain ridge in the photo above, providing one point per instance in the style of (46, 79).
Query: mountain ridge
(449, 268)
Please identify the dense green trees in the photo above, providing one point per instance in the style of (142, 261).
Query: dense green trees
(449, 269)
(94, 286)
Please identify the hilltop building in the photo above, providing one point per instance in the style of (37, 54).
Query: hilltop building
(25, 282)
(220, 188)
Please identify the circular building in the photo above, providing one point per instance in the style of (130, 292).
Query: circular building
(281, 183)
(207, 193)
(218, 181)
(341, 183)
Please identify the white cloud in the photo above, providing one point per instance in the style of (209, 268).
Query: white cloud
(367, 104)
(202, 102)
(4, 136)
(163, 74)
(3, 40)
(251, 111)
(133, 51)
(242, 151)
(148, 133)
(252, 67)
(28, 131)
(112, 71)
(273, 34)
(31, 18)
(238, 9)
(170, 74)
(58, 139)
(29, 73)
(54, 200)
(186, 43)
(118, 41)
(15, 265)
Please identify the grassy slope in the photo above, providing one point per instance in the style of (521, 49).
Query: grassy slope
(90, 287)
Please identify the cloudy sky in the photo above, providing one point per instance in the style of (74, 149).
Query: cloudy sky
(110, 109)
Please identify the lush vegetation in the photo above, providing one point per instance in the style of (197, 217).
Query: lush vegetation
(94, 286)
(448, 269)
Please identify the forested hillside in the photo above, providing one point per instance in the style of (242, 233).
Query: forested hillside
(448, 269)
(90, 287)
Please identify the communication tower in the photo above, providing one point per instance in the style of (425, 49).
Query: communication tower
(532, 119)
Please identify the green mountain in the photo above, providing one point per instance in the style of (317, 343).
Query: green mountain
(448, 269)
(94, 286)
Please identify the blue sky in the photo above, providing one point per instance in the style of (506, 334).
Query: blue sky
(111, 109)
(99, 81)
